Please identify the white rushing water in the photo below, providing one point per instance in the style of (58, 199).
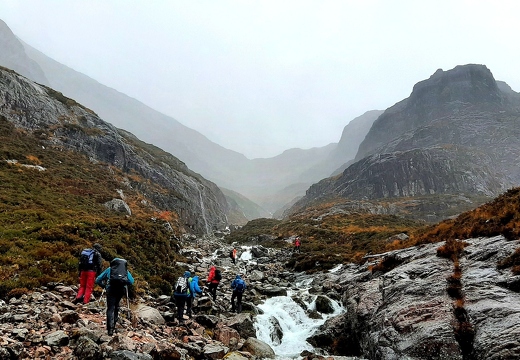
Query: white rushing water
(293, 320)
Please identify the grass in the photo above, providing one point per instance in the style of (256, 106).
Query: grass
(331, 240)
(47, 217)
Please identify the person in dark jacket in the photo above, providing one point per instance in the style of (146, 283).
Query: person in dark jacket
(181, 299)
(212, 282)
(90, 264)
(194, 290)
(115, 291)
(239, 286)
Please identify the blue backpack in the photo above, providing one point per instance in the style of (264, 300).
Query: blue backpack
(240, 285)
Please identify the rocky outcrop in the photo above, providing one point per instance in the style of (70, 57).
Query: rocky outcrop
(445, 94)
(456, 134)
(406, 311)
(62, 123)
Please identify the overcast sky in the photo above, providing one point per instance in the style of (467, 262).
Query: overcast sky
(260, 77)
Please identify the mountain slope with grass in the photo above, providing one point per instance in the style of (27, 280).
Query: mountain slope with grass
(62, 168)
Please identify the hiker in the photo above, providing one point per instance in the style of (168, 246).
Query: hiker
(297, 244)
(239, 286)
(181, 294)
(214, 278)
(233, 255)
(90, 262)
(115, 279)
(194, 290)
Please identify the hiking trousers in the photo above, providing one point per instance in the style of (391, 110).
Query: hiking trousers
(212, 287)
(180, 302)
(86, 285)
(114, 295)
(238, 296)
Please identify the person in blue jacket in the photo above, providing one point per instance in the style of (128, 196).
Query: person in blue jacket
(194, 290)
(239, 286)
(115, 288)
(181, 297)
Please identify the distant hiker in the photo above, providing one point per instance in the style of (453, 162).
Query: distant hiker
(233, 255)
(194, 290)
(181, 292)
(214, 278)
(297, 244)
(115, 279)
(239, 286)
(90, 262)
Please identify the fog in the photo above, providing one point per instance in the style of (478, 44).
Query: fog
(260, 77)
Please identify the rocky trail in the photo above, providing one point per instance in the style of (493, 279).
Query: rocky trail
(46, 324)
(397, 305)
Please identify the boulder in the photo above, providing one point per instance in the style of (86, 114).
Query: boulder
(258, 348)
(324, 305)
(128, 355)
(87, 349)
(243, 323)
(149, 314)
(214, 351)
(57, 338)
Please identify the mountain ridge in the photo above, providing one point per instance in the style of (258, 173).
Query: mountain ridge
(456, 134)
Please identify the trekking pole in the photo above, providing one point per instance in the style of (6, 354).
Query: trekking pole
(101, 297)
(129, 313)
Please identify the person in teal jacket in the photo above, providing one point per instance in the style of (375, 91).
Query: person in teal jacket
(115, 289)
(194, 290)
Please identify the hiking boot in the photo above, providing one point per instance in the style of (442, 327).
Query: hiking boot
(110, 332)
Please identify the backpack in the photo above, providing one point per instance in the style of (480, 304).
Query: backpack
(181, 286)
(240, 285)
(231, 254)
(86, 259)
(118, 272)
(218, 275)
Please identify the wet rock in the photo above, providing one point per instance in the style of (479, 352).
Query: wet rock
(271, 290)
(150, 314)
(57, 338)
(276, 334)
(88, 350)
(69, 317)
(129, 355)
(324, 305)
(215, 351)
(258, 348)
(243, 323)
(259, 251)
(235, 355)
(227, 335)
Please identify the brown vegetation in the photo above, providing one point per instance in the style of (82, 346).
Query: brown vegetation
(47, 217)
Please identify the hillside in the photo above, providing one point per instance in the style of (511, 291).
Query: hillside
(52, 206)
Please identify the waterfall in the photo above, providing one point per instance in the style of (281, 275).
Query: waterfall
(283, 317)
(203, 209)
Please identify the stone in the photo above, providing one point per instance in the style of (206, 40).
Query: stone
(258, 348)
(215, 351)
(57, 338)
(324, 305)
(88, 349)
(129, 355)
(150, 314)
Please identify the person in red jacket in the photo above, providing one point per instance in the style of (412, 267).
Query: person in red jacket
(214, 278)
(297, 244)
(90, 263)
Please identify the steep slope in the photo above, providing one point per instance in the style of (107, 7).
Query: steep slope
(458, 133)
(61, 122)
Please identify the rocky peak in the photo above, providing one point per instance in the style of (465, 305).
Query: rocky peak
(464, 83)
(463, 88)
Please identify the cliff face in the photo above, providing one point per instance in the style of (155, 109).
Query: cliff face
(407, 311)
(457, 133)
(446, 94)
(63, 123)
